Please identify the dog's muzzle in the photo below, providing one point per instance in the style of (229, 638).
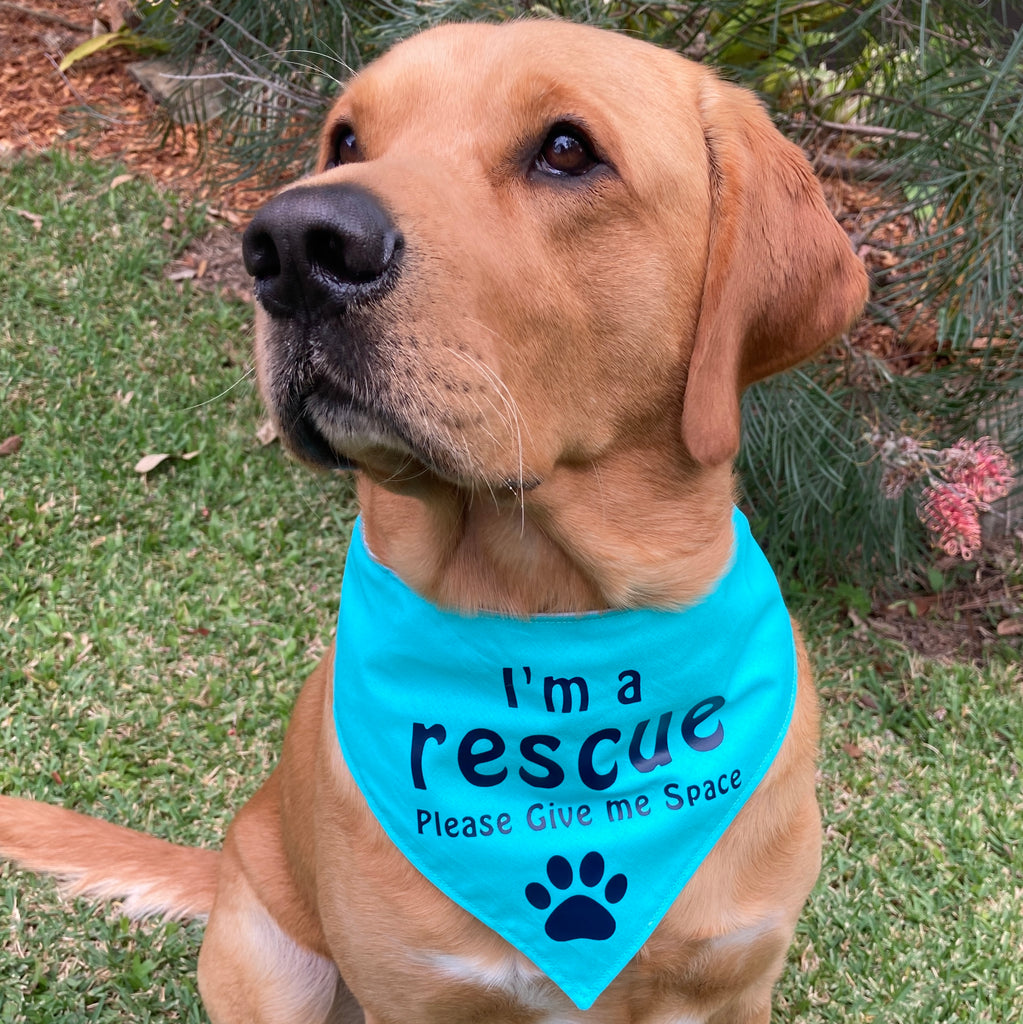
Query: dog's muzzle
(318, 251)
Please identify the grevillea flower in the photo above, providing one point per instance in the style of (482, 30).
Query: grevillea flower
(904, 461)
(980, 466)
(952, 514)
(963, 480)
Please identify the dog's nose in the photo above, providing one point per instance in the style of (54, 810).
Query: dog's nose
(316, 250)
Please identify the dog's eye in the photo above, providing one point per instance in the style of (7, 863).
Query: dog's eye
(344, 147)
(566, 152)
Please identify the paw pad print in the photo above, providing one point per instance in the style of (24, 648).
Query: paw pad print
(581, 915)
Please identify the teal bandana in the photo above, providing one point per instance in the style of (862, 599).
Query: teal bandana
(562, 777)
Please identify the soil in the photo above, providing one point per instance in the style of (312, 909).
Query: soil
(98, 107)
(95, 106)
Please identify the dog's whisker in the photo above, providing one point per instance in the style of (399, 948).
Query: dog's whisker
(248, 374)
(514, 418)
(518, 420)
(400, 472)
(507, 408)
(319, 69)
(598, 478)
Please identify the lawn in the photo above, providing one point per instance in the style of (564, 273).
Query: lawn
(158, 626)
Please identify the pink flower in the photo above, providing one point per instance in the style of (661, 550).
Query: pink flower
(980, 467)
(951, 511)
(962, 481)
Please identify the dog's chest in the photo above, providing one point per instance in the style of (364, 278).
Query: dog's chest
(534, 997)
(531, 996)
(516, 982)
(512, 976)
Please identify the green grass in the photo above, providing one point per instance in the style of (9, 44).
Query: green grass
(916, 917)
(157, 630)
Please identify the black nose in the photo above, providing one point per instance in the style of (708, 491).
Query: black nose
(317, 250)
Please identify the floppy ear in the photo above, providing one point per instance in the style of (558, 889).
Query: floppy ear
(782, 279)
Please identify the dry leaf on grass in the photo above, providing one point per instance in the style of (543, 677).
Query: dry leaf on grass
(149, 462)
(9, 445)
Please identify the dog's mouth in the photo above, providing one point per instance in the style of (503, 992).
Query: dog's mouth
(337, 431)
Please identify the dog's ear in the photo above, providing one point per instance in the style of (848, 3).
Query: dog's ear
(782, 279)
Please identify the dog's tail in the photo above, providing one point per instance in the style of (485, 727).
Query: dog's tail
(93, 858)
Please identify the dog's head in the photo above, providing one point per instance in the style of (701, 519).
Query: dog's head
(528, 246)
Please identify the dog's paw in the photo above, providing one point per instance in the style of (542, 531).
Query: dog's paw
(579, 916)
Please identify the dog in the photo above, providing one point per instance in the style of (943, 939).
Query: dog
(520, 297)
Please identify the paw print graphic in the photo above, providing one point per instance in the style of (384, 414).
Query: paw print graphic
(581, 915)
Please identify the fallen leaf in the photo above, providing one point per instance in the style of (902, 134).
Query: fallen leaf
(34, 218)
(916, 607)
(121, 179)
(214, 213)
(852, 750)
(188, 456)
(149, 462)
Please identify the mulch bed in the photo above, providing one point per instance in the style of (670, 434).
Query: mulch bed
(96, 106)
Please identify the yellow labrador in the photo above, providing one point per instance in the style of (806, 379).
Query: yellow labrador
(521, 295)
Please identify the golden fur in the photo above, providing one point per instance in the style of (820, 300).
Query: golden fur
(549, 391)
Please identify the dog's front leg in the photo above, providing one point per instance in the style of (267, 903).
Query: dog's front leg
(252, 972)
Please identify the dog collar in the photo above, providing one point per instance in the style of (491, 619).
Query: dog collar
(562, 777)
